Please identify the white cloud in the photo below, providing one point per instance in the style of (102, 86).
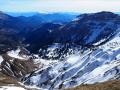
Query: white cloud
(60, 5)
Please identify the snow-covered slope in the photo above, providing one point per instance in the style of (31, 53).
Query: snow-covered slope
(87, 67)
(59, 51)
(11, 88)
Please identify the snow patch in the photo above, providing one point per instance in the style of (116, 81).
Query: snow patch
(15, 54)
(11, 88)
(1, 60)
(73, 59)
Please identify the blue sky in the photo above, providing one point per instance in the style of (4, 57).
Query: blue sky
(59, 5)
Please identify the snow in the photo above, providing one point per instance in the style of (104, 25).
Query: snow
(118, 57)
(44, 62)
(73, 59)
(97, 75)
(15, 54)
(112, 44)
(35, 79)
(11, 88)
(1, 60)
(99, 42)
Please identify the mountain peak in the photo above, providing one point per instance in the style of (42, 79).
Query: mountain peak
(98, 16)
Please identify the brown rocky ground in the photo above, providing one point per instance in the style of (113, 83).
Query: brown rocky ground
(109, 85)
(13, 69)
(10, 81)
(17, 67)
(6, 80)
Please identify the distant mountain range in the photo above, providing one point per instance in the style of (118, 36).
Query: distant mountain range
(20, 26)
(44, 29)
(28, 14)
(84, 30)
(46, 17)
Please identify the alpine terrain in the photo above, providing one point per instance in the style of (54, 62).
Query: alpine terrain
(46, 52)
